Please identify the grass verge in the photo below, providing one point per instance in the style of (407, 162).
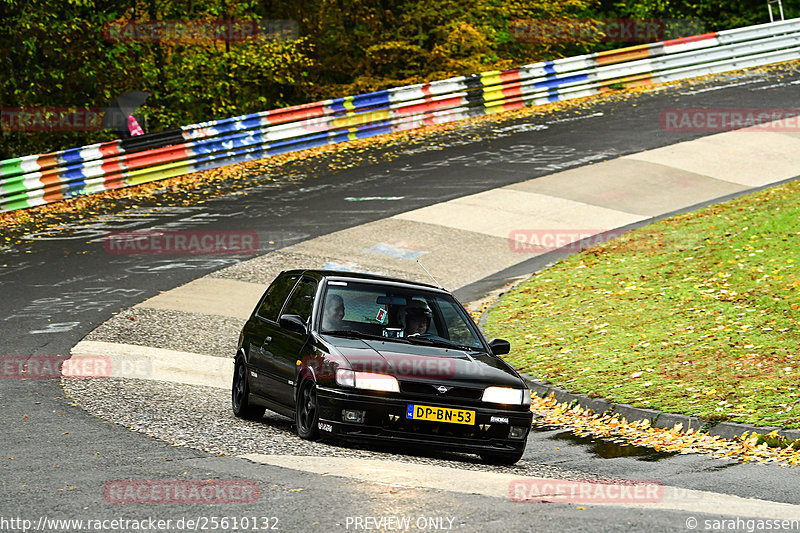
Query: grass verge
(697, 314)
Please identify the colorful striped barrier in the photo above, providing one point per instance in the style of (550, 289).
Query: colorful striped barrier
(41, 179)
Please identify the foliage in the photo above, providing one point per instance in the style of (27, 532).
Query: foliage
(714, 15)
(61, 54)
(67, 55)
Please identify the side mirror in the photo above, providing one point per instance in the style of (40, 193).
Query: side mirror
(500, 346)
(293, 323)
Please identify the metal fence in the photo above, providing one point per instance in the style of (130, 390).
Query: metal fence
(40, 179)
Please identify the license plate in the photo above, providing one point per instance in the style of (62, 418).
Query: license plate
(440, 414)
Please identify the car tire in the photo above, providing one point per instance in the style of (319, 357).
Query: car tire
(307, 412)
(240, 395)
(502, 458)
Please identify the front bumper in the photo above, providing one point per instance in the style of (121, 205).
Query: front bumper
(385, 420)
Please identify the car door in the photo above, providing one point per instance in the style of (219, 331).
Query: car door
(286, 346)
(261, 330)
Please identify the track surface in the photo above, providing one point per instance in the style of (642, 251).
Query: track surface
(58, 287)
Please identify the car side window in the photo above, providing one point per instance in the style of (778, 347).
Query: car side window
(276, 295)
(301, 301)
(455, 324)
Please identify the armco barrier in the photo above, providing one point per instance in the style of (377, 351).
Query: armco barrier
(40, 179)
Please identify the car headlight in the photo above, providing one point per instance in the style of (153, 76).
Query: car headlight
(506, 395)
(367, 381)
(345, 378)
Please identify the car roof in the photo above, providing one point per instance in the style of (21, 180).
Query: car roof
(344, 275)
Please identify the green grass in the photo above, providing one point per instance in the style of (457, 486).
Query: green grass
(697, 314)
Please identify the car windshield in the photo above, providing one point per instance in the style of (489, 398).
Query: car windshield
(361, 309)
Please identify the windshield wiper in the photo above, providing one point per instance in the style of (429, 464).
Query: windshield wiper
(353, 334)
(444, 343)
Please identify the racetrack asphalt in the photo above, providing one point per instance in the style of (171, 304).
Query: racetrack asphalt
(60, 463)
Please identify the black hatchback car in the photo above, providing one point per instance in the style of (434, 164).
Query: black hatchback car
(365, 357)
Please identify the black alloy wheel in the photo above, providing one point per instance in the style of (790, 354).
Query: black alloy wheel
(306, 412)
(240, 396)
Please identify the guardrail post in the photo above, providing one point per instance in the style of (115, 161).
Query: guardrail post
(769, 6)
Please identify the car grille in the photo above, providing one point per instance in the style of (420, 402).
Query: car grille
(429, 390)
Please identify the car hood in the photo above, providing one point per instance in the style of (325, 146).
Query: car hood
(412, 362)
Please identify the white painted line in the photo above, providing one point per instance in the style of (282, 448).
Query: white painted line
(144, 362)
(498, 212)
(719, 87)
(372, 198)
(573, 119)
(499, 485)
(210, 296)
(765, 87)
(752, 158)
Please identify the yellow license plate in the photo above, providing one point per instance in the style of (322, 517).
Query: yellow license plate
(440, 414)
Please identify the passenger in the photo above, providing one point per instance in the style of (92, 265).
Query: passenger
(333, 317)
(417, 318)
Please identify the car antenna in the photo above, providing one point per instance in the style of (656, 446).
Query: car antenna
(431, 275)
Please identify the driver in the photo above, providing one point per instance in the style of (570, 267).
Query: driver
(417, 318)
(332, 318)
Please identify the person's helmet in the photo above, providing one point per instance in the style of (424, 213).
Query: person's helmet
(416, 308)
